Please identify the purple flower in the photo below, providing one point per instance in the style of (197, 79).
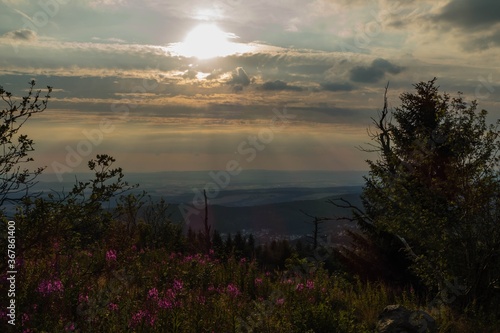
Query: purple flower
(165, 304)
(83, 298)
(258, 281)
(280, 301)
(24, 318)
(47, 287)
(113, 307)
(111, 255)
(151, 320)
(310, 284)
(70, 327)
(153, 294)
(137, 318)
(178, 284)
(299, 287)
(170, 294)
(233, 290)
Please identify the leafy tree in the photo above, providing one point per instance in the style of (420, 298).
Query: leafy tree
(434, 190)
(15, 180)
(77, 218)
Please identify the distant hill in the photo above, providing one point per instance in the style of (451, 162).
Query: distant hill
(279, 218)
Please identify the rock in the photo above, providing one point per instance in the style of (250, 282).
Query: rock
(398, 319)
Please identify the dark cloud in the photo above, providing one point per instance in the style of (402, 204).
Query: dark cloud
(375, 72)
(471, 14)
(279, 85)
(484, 42)
(21, 35)
(240, 77)
(334, 86)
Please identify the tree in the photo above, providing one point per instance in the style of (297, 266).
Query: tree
(434, 190)
(15, 181)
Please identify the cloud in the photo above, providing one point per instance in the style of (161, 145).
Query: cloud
(240, 77)
(279, 85)
(471, 14)
(484, 41)
(24, 35)
(334, 86)
(375, 72)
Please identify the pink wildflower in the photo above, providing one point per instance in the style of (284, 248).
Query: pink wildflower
(153, 294)
(113, 307)
(83, 298)
(111, 255)
(165, 304)
(310, 284)
(299, 287)
(24, 318)
(170, 294)
(151, 320)
(233, 290)
(47, 287)
(70, 327)
(258, 281)
(137, 318)
(178, 284)
(280, 301)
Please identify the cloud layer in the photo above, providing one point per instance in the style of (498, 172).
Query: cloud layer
(328, 62)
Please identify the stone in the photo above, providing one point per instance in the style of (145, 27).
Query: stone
(398, 319)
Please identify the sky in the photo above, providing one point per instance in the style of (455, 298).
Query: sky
(234, 84)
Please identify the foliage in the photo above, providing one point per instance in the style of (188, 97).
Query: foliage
(434, 191)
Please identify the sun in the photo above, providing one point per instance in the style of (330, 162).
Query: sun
(207, 41)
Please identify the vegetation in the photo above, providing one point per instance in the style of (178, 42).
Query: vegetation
(85, 267)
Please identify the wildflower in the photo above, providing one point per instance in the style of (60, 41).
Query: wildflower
(151, 319)
(83, 298)
(47, 287)
(280, 301)
(70, 327)
(111, 255)
(233, 290)
(138, 317)
(178, 284)
(299, 287)
(258, 281)
(113, 307)
(310, 284)
(243, 260)
(165, 304)
(170, 294)
(24, 318)
(153, 294)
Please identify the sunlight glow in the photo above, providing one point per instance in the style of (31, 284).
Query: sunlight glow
(208, 41)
